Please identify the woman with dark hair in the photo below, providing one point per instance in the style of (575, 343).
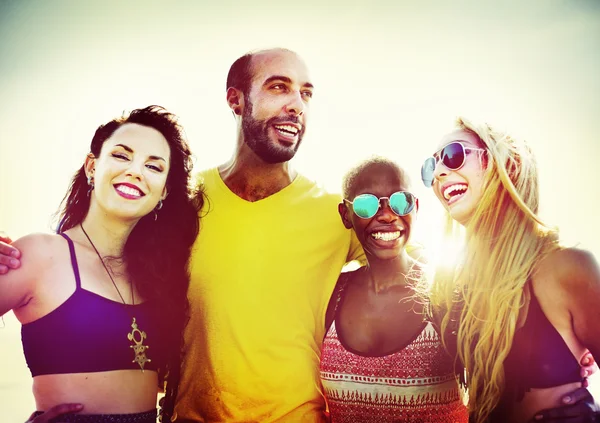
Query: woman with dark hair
(103, 303)
(522, 308)
(382, 360)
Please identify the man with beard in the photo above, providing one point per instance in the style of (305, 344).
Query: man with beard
(269, 253)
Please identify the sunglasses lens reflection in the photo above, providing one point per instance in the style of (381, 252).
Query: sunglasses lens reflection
(453, 155)
(365, 205)
(402, 203)
(427, 172)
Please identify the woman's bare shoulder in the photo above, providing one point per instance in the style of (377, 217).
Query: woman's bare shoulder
(40, 244)
(570, 266)
(569, 278)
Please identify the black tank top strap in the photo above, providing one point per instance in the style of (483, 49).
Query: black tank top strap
(341, 287)
(73, 260)
(335, 300)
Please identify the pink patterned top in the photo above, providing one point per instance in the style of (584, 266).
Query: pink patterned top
(415, 384)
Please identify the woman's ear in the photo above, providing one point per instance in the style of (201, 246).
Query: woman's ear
(343, 211)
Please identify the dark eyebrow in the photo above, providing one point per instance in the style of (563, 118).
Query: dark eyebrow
(125, 147)
(128, 149)
(286, 80)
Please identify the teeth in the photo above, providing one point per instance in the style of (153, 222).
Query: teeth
(129, 191)
(287, 128)
(454, 190)
(386, 236)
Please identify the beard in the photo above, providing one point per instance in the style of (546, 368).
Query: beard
(256, 136)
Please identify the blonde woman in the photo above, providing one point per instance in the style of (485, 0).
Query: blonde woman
(523, 307)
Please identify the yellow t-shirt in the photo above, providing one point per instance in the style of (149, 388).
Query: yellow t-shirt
(262, 274)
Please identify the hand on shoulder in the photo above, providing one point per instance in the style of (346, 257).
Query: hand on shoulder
(9, 256)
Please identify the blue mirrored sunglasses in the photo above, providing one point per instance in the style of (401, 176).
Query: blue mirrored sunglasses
(366, 206)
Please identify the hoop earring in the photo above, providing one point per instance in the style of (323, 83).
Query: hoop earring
(90, 181)
(157, 208)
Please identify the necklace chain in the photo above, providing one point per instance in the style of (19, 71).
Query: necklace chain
(105, 268)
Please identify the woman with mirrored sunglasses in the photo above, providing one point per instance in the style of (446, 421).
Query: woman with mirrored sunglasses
(521, 309)
(452, 155)
(382, 360)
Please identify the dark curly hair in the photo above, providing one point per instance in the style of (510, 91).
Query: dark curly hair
(157, 252)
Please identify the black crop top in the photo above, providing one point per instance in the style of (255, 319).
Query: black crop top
(89, 333)
(539, 358)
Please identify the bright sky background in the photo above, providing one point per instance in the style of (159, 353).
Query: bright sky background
(390, 78)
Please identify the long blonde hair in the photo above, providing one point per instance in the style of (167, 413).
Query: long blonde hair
(503, 241)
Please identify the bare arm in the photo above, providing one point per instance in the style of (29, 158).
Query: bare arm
(581, 274)
(17, 286)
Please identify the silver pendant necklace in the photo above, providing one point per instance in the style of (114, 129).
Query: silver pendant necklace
(136, 335)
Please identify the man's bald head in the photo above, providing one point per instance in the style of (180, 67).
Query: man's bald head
(241, 72)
